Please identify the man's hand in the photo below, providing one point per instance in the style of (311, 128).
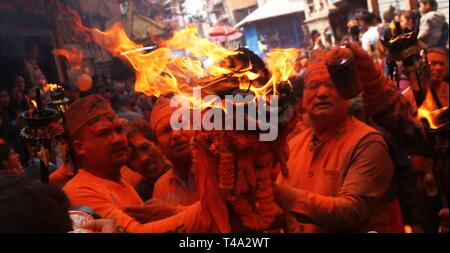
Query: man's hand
(368, 71)
(152, 210)
(101, 226)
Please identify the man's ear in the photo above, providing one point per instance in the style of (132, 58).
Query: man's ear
(78, 148)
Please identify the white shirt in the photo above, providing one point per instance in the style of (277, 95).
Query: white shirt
(370, 37)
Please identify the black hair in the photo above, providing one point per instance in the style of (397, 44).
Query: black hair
(139, 126)
(367, 17)
(28, 206)
(432, 3)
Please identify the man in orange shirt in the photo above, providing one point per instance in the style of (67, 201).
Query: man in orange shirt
(100, 148)
(177, 186)
(339, 170)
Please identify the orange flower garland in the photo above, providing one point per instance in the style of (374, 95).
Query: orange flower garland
(249, 190)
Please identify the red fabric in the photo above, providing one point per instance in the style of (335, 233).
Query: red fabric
(214, 213)
(395, 217)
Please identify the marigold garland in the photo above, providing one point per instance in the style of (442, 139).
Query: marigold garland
(249, 190)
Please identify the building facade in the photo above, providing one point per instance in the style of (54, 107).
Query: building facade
(330, 17)
(380, 6)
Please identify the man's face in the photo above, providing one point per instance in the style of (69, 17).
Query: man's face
(145, 157)
(20, 83)
(439, 66)
(406, 22)
(4, 98)
(362, 24)
(17, 94)
(424, 8)
(321, 99)
(174, 143)
(103, 145)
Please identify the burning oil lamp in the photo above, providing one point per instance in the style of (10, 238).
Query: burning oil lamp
(58, 100)
(42, 134)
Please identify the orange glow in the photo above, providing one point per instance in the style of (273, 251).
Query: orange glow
(51, 87)
(162, 71)
(429, 112)
(73, 56)
(33, 103)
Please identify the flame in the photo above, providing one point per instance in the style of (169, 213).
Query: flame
(73, 56)
(428, 112)
(33, 103)
(163, 71)
(51, 87)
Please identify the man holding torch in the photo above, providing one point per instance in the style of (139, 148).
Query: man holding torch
(340, 169)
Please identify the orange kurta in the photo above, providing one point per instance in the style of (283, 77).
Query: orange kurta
(61, 176)
(109, 198)
(339, 180)
(130, 176)
(173, 190)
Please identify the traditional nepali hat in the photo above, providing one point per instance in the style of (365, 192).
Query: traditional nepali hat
(161, 110)
(84, 110)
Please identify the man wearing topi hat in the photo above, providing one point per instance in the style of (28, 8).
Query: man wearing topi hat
(100, 148)
(339, 169)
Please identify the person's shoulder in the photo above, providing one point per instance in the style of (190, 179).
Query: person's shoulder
(432, 15)
(82, 181)
(165, 178)
(368, 134)
(365, 130)
(301, 136)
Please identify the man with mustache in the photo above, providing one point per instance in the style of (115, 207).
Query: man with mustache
(339, 169)
(177, 186)
(100, 147)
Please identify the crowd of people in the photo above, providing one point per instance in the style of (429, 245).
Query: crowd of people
(358, 165)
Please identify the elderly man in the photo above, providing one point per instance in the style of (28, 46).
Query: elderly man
(100, 147)
(339, 170)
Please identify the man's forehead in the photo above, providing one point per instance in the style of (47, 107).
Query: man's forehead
(105, 121)
(437, 56)
(138, 139)
(317, 75)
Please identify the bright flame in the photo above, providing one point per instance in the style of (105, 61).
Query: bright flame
(73, 56)
(33, 103)
(429, 112)
(162, 71)
(51, 87)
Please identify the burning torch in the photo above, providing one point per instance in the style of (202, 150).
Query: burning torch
(41, 134)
